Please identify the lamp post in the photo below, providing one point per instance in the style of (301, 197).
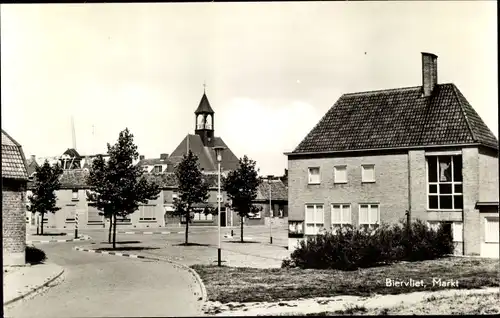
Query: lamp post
(218, 153)
(270, 211)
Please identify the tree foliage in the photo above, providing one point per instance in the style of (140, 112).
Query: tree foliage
(241, 188)
(43, 198)
(192, 188)
(118, 185)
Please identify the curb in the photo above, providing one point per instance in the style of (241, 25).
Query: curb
(163, 232)
(197, 277)
(34, 289)
(84, 238)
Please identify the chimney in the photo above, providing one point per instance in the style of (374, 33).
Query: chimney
(429, 73)
(164, 156)
(33, 157)
(141, 157)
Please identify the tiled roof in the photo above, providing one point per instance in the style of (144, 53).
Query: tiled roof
(398, 118)
(204, 106)
(206, 155)
(152, 162)
(13, 160)
(72, 153)
(278, 191)
(31, 166)
(77, 178)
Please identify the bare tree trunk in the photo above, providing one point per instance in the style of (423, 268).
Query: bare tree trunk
(110, 228)
(41, 223)
(114, 232)
(187, 227)
(241, 223)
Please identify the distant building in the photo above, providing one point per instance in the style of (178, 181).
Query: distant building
(376, 155)
(155, 165)
(14, 179)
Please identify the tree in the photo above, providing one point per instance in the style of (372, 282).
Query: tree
(192, 188)
(118, 185)
(43, 198)
(241, 188)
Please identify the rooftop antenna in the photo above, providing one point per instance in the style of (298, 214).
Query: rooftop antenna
(73, 131)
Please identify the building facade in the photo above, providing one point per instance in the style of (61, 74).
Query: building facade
(14, 181)
(378, 155)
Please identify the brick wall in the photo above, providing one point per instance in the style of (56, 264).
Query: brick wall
(13, 222)
(488, 175)
(472, 228)
(390, 189)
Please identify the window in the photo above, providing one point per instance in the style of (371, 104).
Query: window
(456, 228)
(314, 175)
(444, 175)
(147, 213)
(491, 230)
(74, 195)
(200, 216)
(367, 173)
(157, 169)
(255, 215)
(208, 122)
(341, 216)
(93, 215)
(369, 217)
(340, 174)
(200, 122)
(70, 213)
(314, 218)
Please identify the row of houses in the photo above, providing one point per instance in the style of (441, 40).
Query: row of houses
(72, 198)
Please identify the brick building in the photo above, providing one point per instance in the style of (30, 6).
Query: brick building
(14, 179)
(376, 155)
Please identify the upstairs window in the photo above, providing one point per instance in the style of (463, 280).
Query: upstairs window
(368, 173)
(444, 175)
(314, 177)
(340, 174)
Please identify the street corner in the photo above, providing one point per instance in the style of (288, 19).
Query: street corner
(27, 280)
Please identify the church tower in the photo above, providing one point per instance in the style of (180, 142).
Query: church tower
(204, 124)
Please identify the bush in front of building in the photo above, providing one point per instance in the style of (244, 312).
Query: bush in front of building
(35, 255)
(353, 248)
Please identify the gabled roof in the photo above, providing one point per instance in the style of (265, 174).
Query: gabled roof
(13, 160)
(279, 191)
(206, 155)
(395, 118)
(204, 106)
(31, 166)
(72, 153)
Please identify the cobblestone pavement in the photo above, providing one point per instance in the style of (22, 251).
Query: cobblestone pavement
(96, 285)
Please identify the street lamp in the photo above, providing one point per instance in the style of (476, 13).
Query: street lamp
(270, 210)
(218, 153)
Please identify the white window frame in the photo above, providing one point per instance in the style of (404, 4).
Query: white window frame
(317, 224)
(453, 183)
(142, 217)
(159, 167)
(363, 169)
(335, 177)
(310, 181)
(487, 238)
(371, 225)
(342, 222)
(457, 229)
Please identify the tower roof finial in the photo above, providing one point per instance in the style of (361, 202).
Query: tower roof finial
(204, 86)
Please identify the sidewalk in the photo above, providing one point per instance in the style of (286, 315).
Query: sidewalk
(19, 282)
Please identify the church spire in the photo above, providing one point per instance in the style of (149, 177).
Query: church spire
(204, 120)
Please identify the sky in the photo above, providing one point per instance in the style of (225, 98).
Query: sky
(272, 70)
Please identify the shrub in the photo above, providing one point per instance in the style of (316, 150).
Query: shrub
(35, 255)
(350, 249)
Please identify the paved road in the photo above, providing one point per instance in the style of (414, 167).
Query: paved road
(97, 285)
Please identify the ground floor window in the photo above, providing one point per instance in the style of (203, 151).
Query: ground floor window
(314, 219)
(369, 216)
(456, 228)
(491, 233)
(341, 216)
(147, 213)
(200, 216)
(93, 215)
(70, 212)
